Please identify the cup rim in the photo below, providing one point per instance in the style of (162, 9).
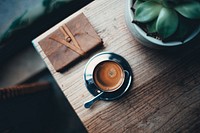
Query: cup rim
(112, 90)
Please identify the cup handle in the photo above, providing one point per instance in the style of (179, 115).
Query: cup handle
(127, 74)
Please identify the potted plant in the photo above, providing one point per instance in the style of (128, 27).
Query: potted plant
(163, 23)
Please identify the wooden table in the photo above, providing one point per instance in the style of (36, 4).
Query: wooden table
(165, 96)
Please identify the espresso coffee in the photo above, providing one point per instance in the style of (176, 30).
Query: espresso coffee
(108, 75)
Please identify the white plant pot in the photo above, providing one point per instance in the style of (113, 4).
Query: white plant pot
(149, 41)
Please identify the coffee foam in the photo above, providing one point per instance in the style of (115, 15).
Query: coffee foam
(108, 75)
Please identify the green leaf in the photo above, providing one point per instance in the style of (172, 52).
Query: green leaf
(167, 22)
(147, 11)
(183, 29)
(151, 26)
(189, 9)
(158, 1)
(154, 0)
(137, 3)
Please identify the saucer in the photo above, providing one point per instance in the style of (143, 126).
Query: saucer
(88, 75)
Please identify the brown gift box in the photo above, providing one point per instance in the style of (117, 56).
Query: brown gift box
(70, 42)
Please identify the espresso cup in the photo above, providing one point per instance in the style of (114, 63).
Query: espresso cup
(108, 76)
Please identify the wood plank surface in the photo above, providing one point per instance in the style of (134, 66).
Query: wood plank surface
(165, 95)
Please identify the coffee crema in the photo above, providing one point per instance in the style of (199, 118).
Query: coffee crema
(108, 75)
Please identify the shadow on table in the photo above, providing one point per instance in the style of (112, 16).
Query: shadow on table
(42, 112)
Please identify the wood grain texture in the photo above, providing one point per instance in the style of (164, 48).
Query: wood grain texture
(165, 96)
